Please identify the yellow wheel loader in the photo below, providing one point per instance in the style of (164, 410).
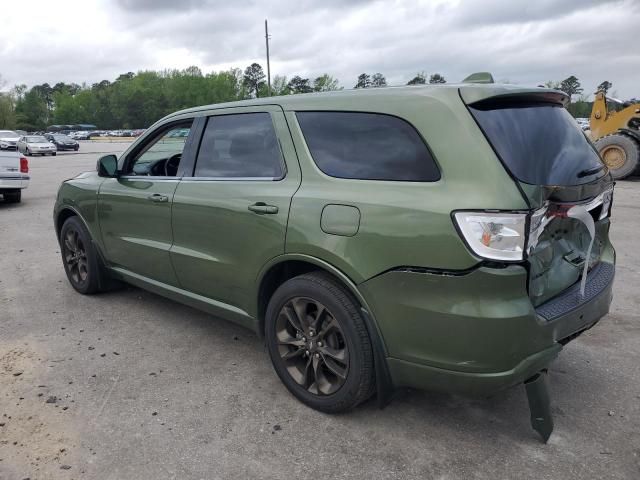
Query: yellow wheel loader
(616, 135)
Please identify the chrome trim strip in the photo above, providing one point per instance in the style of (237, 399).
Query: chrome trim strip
(232, 179)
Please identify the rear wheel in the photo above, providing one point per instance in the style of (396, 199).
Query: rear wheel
(319, 344)
(620, 154)
(79, 257)
(13, 197)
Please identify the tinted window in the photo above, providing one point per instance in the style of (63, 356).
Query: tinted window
(242, 145)
(367, 146)
(540, 144)
(161, 155)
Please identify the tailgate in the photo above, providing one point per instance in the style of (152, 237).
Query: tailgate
(9, 162)
(559, 173)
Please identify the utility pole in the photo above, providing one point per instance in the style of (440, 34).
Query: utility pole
(266, 38)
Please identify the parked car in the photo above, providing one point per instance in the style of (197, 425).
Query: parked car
(583, 123)
(36, 144)
(14, 176)
(8, 140)
(62, 142)
(83, 135)
(434, 237)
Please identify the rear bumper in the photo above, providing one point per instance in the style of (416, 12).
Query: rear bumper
(14, 182)
(478, 332)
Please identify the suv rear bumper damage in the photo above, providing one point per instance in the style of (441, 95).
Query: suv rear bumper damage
(478, 332)
(457, 333)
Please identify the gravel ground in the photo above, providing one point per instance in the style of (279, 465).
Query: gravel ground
(129, 385)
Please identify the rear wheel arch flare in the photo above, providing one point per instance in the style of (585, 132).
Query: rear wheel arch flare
(279, 272)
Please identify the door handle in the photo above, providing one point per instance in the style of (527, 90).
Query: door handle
(158, 198)
(262, 208)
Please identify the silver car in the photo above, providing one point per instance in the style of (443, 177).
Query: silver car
(36, 144)
(8, 139)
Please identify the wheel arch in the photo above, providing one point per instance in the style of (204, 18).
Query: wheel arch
(287, 266)
(65, 213)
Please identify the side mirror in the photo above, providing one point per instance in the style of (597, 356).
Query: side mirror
(108, 166)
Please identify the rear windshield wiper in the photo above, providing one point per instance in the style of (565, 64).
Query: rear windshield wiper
(590, 171)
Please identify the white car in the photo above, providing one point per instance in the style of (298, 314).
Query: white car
(14, 176)
(36, 144)
(8, 140)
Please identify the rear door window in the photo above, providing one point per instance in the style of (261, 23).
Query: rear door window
(540, 144)
(241, 145)
(367, 146)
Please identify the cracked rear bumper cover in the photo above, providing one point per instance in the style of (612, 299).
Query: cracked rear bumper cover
(559, 321)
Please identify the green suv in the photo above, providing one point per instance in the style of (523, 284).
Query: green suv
(448, 238)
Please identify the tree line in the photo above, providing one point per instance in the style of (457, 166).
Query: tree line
(136, 100)
(580, 106)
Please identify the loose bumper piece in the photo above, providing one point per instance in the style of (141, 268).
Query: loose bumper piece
(539, 404)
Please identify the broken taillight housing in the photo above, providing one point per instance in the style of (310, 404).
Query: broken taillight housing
(508, 235)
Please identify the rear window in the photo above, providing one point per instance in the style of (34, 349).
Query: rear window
(540, 144)
(367, 146)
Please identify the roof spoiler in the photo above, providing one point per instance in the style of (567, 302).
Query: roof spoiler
(479, 77)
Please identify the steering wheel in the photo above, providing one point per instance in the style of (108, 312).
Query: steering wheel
(171, 165)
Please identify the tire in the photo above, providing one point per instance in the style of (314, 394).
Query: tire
(13, 197)
(76, 149)
(308, 352)
(85, 271)
(620, 153)
(54, 153)
(27, 152)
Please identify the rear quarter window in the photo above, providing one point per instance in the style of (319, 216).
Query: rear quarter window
(367, 146)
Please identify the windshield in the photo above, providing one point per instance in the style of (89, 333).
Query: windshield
(36, 140)
(8, 134)
(540, 144)
(61, 137)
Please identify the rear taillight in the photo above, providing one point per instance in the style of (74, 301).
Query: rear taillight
(24, 165)
(494, 235)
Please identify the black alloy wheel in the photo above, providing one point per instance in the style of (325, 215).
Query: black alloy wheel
(75, 256)
(311, 344)
(319, 344)
(79, 257)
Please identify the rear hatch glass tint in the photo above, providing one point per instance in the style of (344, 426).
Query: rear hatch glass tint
(539, 143)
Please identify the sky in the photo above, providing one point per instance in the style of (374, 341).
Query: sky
(518, 41)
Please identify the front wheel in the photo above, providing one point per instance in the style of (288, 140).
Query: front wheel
(54, 153)
(79, 257)
(319, 344)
